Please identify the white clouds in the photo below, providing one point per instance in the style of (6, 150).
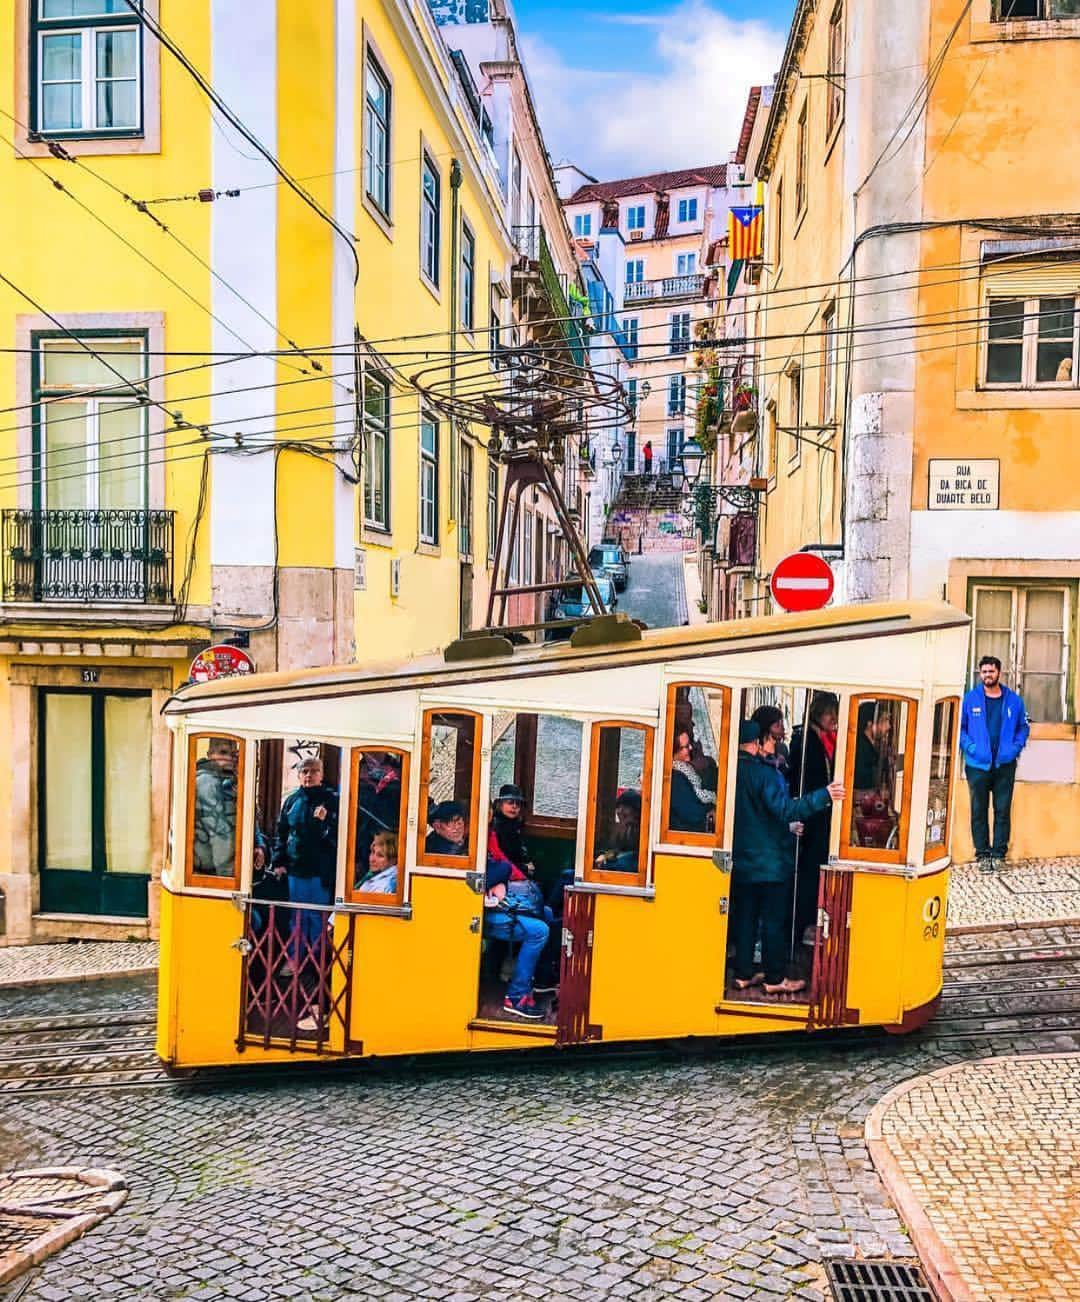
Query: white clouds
(686, 109)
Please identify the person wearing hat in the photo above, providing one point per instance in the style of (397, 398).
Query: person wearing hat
(763, 860)
(505, 834)
(449, 831)
(622, 857)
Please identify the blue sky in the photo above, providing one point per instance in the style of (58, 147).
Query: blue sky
(640, 85)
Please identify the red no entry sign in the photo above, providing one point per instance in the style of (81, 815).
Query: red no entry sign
(802, 581)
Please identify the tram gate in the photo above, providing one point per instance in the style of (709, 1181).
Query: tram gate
(575, 979)
(288, 977)
(832, 947)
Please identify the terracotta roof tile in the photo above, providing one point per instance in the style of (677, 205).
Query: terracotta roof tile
(715, 174)
(752, 103)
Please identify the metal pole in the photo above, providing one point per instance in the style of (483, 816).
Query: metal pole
(574, 542)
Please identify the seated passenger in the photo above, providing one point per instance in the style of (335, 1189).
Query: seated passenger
(622, 857)
(691, 801)
(381, 876)
(874, 777)
(515, 912)
(505, 837)
(449, 834)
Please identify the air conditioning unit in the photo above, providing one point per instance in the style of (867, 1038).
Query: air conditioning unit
(637, 235)
(395, 578)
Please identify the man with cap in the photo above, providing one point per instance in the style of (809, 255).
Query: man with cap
(448, 833)
(763, 860)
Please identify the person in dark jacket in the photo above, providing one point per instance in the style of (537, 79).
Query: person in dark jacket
(763, 863)
(993, 731)
(506, 837)
(811, 763)
(771, 722)
(691, 803)
(449, 829)
(305, 848)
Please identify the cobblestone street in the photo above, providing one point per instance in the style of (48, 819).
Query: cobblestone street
(699, 1173)
(656, 593)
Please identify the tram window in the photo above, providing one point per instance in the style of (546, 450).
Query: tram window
(542, 755)
(380, 792)
(620, 775)
(215, 793)
(938, 810)
(449, 782)
(697, 744)
(880, 745)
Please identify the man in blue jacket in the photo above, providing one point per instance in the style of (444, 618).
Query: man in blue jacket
(993, 732)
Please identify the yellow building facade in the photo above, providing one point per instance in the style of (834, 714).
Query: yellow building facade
(227, 232)
(915, 331)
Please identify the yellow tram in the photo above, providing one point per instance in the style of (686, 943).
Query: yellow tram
(404, 961)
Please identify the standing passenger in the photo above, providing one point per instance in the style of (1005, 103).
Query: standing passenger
(306, 849)
(993, 732)
(763, 864)
(811, 762)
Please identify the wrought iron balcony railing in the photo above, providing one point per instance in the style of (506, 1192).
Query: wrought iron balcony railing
(88, 556)
(639, 291)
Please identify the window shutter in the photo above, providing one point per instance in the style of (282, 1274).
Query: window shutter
(1048, 280)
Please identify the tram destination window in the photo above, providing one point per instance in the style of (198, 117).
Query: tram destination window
(881, 734)
(938, 812)
(620, 776)
(379, 792)
(449, 784)
(697, 737)
(215, 793)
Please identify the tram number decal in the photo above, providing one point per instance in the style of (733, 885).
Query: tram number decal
(932, 918)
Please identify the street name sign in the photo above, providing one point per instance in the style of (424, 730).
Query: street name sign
(964, 485)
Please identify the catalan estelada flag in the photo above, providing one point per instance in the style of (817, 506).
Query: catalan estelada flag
(746, 233)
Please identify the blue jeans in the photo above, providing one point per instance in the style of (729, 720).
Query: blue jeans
(501, 924)
(307, 890)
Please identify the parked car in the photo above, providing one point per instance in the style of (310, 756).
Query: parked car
(610, 559)
(572, 602)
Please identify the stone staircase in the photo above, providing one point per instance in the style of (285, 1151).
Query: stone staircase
(647, 515)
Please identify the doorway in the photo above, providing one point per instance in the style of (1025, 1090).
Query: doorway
(94, 817)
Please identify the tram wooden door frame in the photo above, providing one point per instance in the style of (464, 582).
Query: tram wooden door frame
(575, 977)
(832, 953)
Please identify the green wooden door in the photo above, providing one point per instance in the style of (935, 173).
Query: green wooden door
(94, 846)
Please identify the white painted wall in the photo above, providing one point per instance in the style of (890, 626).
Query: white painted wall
(991, 535)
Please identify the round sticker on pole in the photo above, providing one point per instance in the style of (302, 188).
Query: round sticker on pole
(220, 662)
(802, 581)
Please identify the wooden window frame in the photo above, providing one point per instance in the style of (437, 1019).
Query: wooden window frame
(201, 880)
(706, 840)
(1013, 667)
(467, 861)
(931, 854)
(600, 875)
(352, 895)
(834, 57)
(802, 157)
(429, 461)
(380, 524)
(864, 853)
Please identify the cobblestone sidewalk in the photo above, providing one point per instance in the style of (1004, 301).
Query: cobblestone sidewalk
(1031, 890)
(983, 1162)
(31, 965)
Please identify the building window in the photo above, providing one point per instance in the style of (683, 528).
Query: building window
(778, 228)
(429, 480)
(686, 264)
(795, 412)
(771, 457)
(632, 399)
(492, 509)
(1020, 10)
(829, 352)
(87, 62)
(515, 188)
(376, 451)
(630, 329)
(465, 500)
(468, 278)
(92, 446)
(676, 402)
(377, 135)
(675, 440)
(834, 79)
(688, 210)
(1025, 626)
(527, 536)
(680, 332)
(430, 219)
(635, 217)
(1032, 343)
(635, 271)
(801, 160)
(583, 225)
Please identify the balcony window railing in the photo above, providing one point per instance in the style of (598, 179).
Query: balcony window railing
(531, 243)
(88, 556)
(670, 287)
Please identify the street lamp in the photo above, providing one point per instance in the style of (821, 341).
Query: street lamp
(616, 450)
(693, 459)
(678, 475)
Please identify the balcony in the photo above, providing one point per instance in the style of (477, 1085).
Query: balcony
(643, 291)
(108, 556)
(549, 291)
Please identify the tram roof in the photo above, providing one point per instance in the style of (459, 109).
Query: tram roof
(764, 633)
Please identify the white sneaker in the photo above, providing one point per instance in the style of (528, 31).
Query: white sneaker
(308, 1023)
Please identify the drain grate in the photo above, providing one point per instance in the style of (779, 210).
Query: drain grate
(878, 1281)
